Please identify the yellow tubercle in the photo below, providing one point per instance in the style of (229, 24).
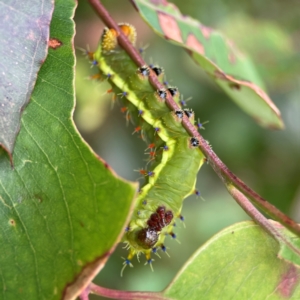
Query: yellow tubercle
(131, 254)
(109, 37)
(129, 31)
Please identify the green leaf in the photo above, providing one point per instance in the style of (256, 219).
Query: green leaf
(24, 32)
(240, 262)
(231, 70)
(271, 46)
(289, 249)
(61, 207)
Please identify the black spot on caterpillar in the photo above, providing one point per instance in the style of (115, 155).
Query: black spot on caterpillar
(144, 71)
(173, 91)
(174, 156)
(157, 70)
(179, 113)
(188, 112)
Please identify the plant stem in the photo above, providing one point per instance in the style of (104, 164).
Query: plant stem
(85, 294)
(219, 167)
(124, 295)
(260, 219)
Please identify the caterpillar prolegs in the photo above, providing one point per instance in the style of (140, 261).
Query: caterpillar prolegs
(174, 156)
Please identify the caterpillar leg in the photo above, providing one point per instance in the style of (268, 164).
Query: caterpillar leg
(149, 260)
(127, 262)
(164, 249)
(154, 250)
(132, 253)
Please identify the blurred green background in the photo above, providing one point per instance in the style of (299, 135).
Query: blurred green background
(269, 162)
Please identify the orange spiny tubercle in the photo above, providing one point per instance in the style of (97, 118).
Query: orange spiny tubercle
(95, 77)
(151, 146)
(152, 153)
(142, 172)
(137, 129)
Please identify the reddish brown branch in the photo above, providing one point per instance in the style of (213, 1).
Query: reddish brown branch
(219, 167)
(124, 295)
(260, 219)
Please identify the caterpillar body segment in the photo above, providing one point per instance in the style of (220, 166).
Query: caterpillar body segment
(175, 157)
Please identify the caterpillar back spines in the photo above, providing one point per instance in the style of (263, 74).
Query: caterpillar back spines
(172, 123)
(179, 114)
(173, 90)
(188, 112)
(194, 142)
(159, 71)
(144, 72)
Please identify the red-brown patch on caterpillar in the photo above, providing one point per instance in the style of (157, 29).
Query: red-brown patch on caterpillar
(160, 219)
(148, 237)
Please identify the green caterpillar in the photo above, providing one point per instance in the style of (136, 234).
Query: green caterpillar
(174, 156)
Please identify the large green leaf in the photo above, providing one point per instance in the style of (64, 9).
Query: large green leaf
(24, 32)
(61, 207)
(271, 46)
(230, 69)
(240, 262)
